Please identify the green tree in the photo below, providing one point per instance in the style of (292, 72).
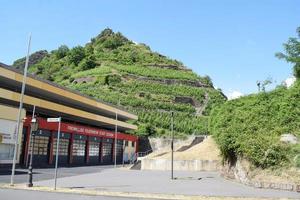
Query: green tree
(61, 52)
(76, 55)
(292, 53)
(88, 63)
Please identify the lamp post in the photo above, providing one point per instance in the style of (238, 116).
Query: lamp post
(33, 128)
(116, 137)
(172, 145)
(19, 115)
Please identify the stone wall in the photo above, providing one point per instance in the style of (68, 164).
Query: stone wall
(240, 169)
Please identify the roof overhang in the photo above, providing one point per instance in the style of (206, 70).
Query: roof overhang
(55, 93)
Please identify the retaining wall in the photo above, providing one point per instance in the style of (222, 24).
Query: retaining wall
(183, 165)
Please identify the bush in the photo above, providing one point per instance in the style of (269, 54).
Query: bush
(88, 63)
(112, 79)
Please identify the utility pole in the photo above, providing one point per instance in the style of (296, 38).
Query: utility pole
(116, 137)
(172, 145)
(19, 114)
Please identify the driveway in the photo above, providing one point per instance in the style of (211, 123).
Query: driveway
(21, 175)
(158, 182)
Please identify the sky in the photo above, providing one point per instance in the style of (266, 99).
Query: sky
(234, 42)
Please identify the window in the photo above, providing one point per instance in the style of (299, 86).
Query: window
(94, 149)
(63, 147)
(132, 143)
(126, 143)
(40, 145)
(107, 149)
(79, 148)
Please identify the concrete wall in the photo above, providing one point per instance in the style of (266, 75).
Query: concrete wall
(159, 144)
(183, 165)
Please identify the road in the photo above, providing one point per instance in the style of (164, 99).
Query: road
(106, 178)
(159, 182)
(6, 194)
(48, 173)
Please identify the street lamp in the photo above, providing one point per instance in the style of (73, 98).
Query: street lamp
(19, 115)
(33, 128)
(172, 145)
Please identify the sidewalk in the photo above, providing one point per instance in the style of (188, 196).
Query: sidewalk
(158, 182)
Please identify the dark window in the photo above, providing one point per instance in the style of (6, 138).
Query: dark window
(132, 143)
(94, 149)
(126, 143)
(79, 148)
(63, 146)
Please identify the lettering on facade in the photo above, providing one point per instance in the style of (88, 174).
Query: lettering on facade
(89, 131)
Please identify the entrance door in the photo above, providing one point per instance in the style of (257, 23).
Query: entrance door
(107, 149)
(79, 146)
(94, 145)
(119, 151)
(63, 150)
(41, 148)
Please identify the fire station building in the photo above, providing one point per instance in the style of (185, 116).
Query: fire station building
(87, 128)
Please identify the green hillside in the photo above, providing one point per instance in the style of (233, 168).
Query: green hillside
(251, 126)
(111, 67)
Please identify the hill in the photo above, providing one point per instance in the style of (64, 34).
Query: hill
(251, 126)
(114, 69)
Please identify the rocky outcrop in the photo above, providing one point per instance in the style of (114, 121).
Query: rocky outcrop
(240, 171)
(289, 138)
(185, 100)
(84, 80)
(34, 58)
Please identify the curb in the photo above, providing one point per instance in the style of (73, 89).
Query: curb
(129, 194)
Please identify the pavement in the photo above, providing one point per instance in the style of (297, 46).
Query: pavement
(159, 182)
(9, 194)
(121, 182)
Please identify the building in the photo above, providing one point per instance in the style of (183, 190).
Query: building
(88, 125)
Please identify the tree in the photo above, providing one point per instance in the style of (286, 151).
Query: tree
(61, 52)
(88, 63)
(76, 55)
(292, 53)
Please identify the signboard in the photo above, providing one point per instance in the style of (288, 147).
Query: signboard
(53, 119)
(89, 131)
(7, 131)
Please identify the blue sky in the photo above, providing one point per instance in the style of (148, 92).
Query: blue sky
(233, 42)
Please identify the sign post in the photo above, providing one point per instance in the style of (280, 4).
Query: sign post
(57, 146)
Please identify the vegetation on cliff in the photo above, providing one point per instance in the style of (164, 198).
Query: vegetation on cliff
(113, 68)
(251, 126)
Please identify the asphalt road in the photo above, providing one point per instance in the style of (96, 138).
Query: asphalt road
(159, 182)
(106, 178)
(21, 175)
(7, 194)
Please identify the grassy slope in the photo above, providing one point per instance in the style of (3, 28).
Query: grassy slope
(114, 63)
(251, 126)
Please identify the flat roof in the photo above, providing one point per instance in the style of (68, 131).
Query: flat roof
(48, 93)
